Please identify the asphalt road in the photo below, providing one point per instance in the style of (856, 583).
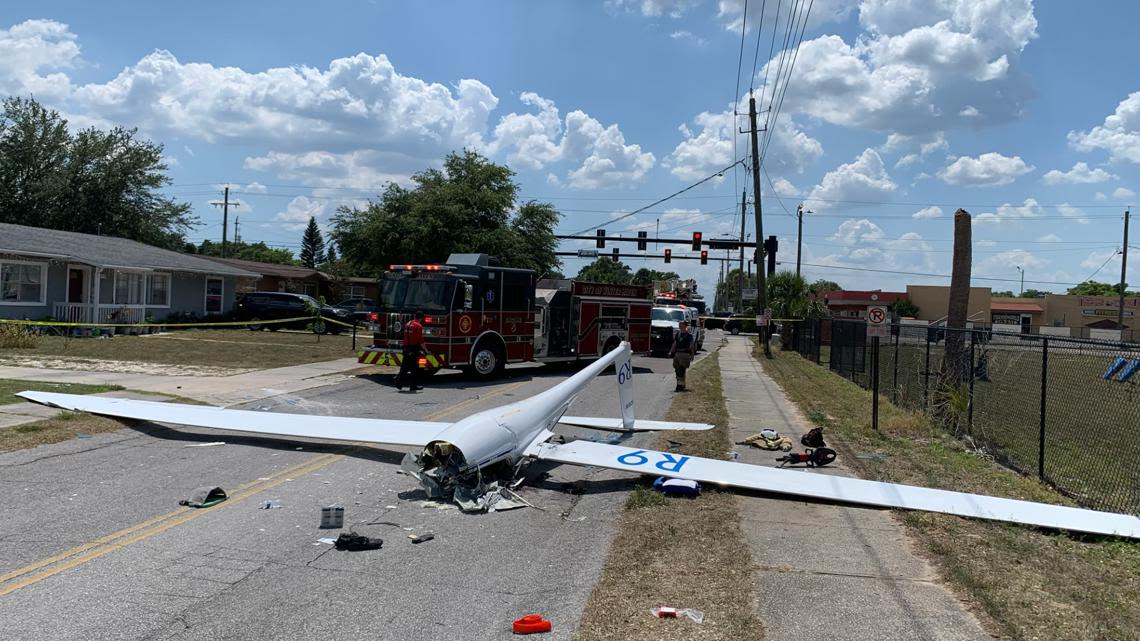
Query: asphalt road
(94, 546)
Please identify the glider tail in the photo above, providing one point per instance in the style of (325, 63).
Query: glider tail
(623, 367)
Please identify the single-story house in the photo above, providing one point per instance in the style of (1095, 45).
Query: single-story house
(294, 279)
(82, 278)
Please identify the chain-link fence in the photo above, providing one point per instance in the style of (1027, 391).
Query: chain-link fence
(1067, 410)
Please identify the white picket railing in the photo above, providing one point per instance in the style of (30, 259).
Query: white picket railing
(110, 314)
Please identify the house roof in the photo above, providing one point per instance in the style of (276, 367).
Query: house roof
(1024, 308)
(292, 272)
(104, 251)
(841, 297)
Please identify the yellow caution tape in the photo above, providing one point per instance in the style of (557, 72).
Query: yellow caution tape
(218, 324)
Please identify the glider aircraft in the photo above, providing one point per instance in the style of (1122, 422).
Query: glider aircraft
(503, 439)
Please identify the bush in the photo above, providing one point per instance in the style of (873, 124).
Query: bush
(14, 336)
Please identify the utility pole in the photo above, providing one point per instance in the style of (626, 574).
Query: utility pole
(1123, 271)
(1022, 290)
(225, 205)
(237, 230)
(743, 218)
(761, 279)
(799, 234)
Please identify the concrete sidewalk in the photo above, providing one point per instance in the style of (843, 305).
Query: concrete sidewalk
(215, 390)
(826, 572)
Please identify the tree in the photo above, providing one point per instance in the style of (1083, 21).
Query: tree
(1004, 294)
(312, 245)
(258, 252)
(606, 270)
(93, 181)
(1095, 288)
(646, 276)
(727, 291)
(468, 206)
(788, 297)
(330, 253)
(904, 307)
(1034, 293)
(822, 286)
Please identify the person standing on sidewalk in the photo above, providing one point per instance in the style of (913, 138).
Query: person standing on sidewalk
(413, 348)
(682, 352)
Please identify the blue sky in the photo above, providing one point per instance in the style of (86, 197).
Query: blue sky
(895, 114)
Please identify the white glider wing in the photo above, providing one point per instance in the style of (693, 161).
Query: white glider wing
(837, 488)
(337, 428)
(639, 425)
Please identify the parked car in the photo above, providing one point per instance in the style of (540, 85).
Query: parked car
(357, 308)
(256, 307)
(740, 323)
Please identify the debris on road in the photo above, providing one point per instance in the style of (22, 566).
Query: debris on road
(768, 440)
(530, 624)
(677, 487)
(332, 516)
(352, 541)
(269, 505)
(665, 612)
(813, 438)
(420, 538)
(211, 444)
(813, 458)
(205, 497)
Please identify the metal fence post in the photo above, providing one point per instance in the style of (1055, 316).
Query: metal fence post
(354, 336)
(875, 383)
(895, 379)
(926, 375)
(970, 402)
(1044, 385)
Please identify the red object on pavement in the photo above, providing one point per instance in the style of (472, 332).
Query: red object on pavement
(530, 624)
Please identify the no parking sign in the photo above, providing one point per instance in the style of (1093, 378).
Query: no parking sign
(877, 321)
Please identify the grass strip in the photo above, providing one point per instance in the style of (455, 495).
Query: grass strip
(1029, 583)
(214, 347)
(687, 553)
(9, 387)
(66, 426)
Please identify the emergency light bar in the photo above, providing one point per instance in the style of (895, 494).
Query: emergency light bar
(425, 268)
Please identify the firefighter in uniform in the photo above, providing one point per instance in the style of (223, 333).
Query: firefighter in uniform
(413, 349)
(682, 352)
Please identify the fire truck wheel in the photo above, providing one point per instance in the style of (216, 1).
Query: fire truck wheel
(488, 359)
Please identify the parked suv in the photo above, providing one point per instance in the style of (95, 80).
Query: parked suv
(357, 308)
(265, 306)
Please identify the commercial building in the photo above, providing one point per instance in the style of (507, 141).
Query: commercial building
(854, 304)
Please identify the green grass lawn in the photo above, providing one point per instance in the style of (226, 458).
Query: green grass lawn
(213, 347)
(9, 387)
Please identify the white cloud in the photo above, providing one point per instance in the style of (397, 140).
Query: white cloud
(731, 12)
(1068, 211)
(863, 179)
(1119, 135)
(710, 149)
(921, 66)
(1122, 193)
(256, 188)
(1006, 263)
(989, 170)
(1009, 212)
(1100, 196)
(688, 36)
(927, 212)
(1049, 238)
(323, 169)
(298, 212)
(1079, 174)
(536, 140)
(784, 188)
(655, 8)
(32, 55)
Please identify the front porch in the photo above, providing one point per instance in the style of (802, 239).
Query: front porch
(112, 314)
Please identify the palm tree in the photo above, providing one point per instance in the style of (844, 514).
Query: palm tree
(957, 363)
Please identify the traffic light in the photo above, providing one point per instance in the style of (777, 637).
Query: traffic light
(696, 241)
(642, 243)
(704, 257)
(601, 239)
(617, 255)
(668, 255)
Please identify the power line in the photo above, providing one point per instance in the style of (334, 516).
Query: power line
(905, 273)
(1110, 257)
(670, 196)
(770, 131)
(759, 35)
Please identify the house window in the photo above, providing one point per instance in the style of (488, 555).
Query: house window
(22, 283)
(129, 288)
(356, 291)
(158, 290)
(309, 289)
(213, 295)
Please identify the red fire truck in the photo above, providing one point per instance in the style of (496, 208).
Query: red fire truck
(479, 316)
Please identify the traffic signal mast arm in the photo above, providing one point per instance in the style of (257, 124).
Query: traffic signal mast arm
(712, 243)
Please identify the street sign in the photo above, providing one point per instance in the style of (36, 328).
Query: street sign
(587, 253)
(877, 322)
(749, 294)
(761, 321)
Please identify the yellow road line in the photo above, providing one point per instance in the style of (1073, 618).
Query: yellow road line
(117, 540)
